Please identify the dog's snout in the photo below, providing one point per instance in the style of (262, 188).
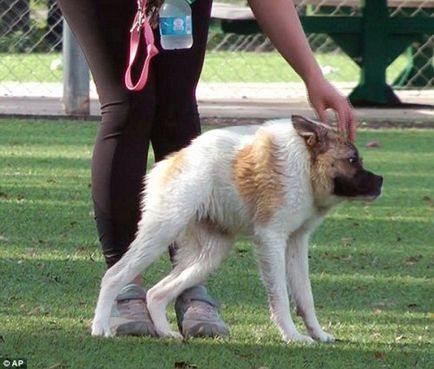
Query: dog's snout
(377, 185)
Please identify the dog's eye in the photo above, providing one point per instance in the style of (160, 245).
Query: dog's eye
(353, 160)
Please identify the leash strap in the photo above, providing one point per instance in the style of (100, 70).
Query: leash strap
(140, 24)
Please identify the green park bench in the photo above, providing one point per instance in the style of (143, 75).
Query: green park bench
(373, 38)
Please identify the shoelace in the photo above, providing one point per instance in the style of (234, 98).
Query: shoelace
(133, 308)
(203, 308)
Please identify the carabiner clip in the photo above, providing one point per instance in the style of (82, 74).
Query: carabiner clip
(139, 19)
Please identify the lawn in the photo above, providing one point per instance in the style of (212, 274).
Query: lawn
(220, 66)
(371, 266)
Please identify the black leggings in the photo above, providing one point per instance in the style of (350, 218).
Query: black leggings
(164, 113)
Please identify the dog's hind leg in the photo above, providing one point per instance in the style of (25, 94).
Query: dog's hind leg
(198, 254)
(299, 284)
(270, 249)
(152, 240)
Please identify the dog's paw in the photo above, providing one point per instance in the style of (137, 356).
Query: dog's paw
(100, 329)
(297, 337)
(323, 336)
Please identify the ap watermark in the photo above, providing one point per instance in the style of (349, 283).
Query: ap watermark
(13, 363)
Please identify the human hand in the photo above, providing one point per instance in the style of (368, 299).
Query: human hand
(322, 96)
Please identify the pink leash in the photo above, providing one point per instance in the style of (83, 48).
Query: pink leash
(140, 22)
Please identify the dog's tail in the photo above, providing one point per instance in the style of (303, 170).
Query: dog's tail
(151, 242)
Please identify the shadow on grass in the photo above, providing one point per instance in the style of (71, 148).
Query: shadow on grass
(74, 348)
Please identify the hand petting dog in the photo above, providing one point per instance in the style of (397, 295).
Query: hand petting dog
(322, 96)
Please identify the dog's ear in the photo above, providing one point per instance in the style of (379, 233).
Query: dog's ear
(315, 134)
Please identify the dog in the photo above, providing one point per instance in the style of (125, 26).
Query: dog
(274, 182)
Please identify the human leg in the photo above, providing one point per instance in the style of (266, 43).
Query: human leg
(120, 153)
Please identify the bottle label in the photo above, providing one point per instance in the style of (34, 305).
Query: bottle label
(175, 26)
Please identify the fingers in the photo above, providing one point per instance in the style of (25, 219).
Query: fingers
(352, 125)
(322, 114)
(347, 119)
(341, 112)
(324, 96)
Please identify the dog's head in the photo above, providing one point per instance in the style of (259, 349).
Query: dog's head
(336, 167)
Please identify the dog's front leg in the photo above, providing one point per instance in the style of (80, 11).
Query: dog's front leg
(270, 248)
(297, 264)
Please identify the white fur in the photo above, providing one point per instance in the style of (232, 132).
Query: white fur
(201, 209)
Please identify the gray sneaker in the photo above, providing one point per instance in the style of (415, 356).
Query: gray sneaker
(130, 316)
(197, 314)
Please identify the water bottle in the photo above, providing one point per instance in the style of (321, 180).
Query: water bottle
(175, 25)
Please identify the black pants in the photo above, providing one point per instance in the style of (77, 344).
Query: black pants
(164, 114)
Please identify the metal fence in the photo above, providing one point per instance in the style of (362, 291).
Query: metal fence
(30, 47)
(419, 71)
(31, 61)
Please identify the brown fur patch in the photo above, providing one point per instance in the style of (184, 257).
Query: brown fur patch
(257, 177)
(175, 164)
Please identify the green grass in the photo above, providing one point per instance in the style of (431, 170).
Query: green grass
(29, 68)
(371, 266)
(219, 67)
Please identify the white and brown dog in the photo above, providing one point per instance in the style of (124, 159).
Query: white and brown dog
(274, 182)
